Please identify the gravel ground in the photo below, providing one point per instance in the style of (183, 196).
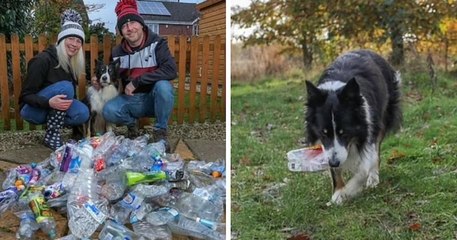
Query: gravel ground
(10, 140)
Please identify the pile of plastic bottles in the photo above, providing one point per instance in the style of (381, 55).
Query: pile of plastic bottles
(125, 189)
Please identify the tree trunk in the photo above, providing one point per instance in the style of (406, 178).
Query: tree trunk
(307, 56)
(398, 49)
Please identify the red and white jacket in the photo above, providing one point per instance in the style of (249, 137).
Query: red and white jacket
(144, 66)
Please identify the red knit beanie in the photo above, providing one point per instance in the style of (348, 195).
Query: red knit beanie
(126, 11)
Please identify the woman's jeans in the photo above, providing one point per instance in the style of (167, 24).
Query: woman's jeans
(158, 103)
(76, 114)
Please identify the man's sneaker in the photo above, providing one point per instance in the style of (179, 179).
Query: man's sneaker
(161, 134)
(132, 131)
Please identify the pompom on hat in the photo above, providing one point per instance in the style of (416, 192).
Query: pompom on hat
(71, 22)
(126, 11)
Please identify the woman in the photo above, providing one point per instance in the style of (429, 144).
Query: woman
(48, 93)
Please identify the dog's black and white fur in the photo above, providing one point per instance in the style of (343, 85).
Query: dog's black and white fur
(356, 102)
(107, 77)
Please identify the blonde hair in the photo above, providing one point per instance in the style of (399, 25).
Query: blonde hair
(75, 64)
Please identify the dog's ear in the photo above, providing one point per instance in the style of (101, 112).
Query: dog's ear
(315, 96)
(350, 93)
(116, 63)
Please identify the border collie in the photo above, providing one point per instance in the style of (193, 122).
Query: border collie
(354, 105)
(107, 77)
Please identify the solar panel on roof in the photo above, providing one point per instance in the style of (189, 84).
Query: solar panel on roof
(153, 8)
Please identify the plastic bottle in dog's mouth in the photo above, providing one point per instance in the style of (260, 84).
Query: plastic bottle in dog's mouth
(309, 159)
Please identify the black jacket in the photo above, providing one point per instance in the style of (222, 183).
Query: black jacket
(146, 65)
(42, 72)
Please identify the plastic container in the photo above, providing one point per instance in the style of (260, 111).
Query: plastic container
(309, 159)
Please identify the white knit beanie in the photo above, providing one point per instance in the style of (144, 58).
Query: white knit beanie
(71, 25)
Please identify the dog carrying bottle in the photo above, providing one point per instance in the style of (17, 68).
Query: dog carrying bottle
(309, 159)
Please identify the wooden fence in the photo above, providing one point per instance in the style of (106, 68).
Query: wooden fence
(200, 87)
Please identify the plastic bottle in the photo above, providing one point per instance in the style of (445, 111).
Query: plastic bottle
(85, 210)
(188, 227)
(114, 231)
(193, 206)
(149, 177)
(121, 210)
(42, 213)
(162, 216)
(7, 199)
(149, 231)
(28, 225)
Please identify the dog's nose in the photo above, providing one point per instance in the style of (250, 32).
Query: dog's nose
(334, 162)
(104, 78)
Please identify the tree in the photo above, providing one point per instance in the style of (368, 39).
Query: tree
(47, 15)
(100, 30)
(396, 20)
(15, 17)
(312, 25)
(295, 24)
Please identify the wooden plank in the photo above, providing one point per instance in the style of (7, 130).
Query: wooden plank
(193, 77)
(42, 43)
(215, 78)
(107, 45)
(4, 84)
(182, 77)
(204, 78)
(172, 44)
(28, 48)
(17, 83)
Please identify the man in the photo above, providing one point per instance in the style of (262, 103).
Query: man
(146, 69)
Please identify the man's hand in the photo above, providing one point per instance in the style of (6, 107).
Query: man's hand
(95, 83)
(60, 103)
(129, 89)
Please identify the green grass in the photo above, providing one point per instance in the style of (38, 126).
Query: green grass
(416, 197)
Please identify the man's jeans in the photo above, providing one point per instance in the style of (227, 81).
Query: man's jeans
(76, 114)
(158, 103)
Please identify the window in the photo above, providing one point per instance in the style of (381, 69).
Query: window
(195, 30)
(154, 27)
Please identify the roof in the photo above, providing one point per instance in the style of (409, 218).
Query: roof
(180, 12)
(208, 3)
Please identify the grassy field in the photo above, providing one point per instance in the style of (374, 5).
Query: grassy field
(417, 194)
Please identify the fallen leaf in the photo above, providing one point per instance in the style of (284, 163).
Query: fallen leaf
(415, 227)
(395, 155)
(300, 236)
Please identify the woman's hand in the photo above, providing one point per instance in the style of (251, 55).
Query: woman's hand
(60, 102)
(94, 83)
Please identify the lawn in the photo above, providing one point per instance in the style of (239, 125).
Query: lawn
(417, 194)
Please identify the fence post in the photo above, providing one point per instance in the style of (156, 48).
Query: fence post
(204, 79)
(4, 84)
(16, 67)
(215, 80)
(28, 48)
(182, 77)
(193, 77)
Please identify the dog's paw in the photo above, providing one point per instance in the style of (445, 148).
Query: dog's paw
(337, 198)
(372, 180)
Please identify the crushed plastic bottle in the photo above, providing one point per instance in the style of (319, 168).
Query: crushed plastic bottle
(188, 227)
(309, 159)
(149, 231)
(114, 231)
(28, 225)
(85, 210)
(134, 178)
(8, 198)
(193, 206)
(42, 212)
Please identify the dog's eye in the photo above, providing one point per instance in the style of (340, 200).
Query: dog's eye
(341, 132)
(324, 131)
